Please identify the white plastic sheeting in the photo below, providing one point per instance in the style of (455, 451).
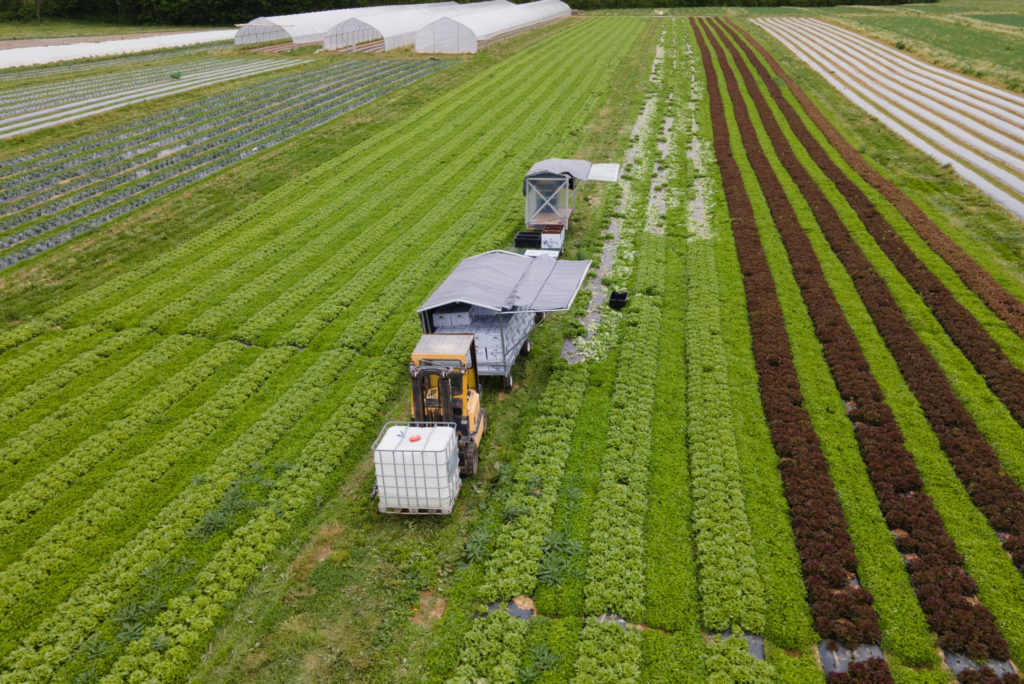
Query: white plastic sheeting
(45, 54)
(308, 27)
(394, 29)
(471, 32)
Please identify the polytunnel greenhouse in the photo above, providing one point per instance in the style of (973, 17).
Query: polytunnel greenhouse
(308, 27)
(392, 29)
(469, 33)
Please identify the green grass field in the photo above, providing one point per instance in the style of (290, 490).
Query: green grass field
(67, 28)
(188, 394)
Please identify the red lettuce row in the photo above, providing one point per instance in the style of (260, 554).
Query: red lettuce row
(991, 489)
(944, 589)
(995, 296)
(841, 610)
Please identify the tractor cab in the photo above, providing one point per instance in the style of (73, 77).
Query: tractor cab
(445, 389)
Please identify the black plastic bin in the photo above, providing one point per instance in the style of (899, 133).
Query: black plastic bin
(527, 239)
(618, 299)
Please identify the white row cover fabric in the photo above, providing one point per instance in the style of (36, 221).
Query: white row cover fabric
(398, 28)
(308, 27)
(471, 32)
(505, 281)
(45, 54)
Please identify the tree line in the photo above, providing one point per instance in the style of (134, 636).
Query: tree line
(225, 12)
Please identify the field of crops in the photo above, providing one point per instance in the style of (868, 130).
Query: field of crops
(793, 456)
(54, 194)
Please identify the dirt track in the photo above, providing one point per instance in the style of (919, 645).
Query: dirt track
(972, 126)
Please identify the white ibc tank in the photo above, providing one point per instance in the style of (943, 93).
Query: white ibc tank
(417, 468)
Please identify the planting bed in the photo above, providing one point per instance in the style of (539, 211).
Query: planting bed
(57, 193)
(974, 127)
(33, 109)
(791, 456)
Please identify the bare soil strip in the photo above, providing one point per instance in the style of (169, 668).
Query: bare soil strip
(992, 490)
(891, 467)
(995, 296)
(986, 166)
(823, 540)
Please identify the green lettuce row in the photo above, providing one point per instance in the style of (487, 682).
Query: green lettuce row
(47, 485)
(616, 568)
(608, 653)
(615, 573)
(730, 587)
(53, 381)
(728, 661)
(58, 545)
(28, 444)
(10, 339)
(65, 627)
(512, 567)
(188, 619)
(492, 650)
(44, 351)
(670, 584)
(615, 576)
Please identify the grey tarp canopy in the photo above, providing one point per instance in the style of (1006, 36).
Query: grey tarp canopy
(580, 169)
(505, 281)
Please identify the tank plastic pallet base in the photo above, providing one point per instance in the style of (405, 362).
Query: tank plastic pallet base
(415, 511)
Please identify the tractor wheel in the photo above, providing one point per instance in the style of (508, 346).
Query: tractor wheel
(470, 457)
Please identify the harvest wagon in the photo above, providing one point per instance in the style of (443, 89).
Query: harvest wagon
(550, 191)
(476, 323)
(499, 297)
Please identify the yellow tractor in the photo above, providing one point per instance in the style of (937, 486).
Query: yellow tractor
(445, 389)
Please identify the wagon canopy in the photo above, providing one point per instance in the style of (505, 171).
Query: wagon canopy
(580, 169)
(509, 282)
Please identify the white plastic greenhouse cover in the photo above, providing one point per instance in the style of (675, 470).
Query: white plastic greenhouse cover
(398, 28)
(308, 27)
(469, 33)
